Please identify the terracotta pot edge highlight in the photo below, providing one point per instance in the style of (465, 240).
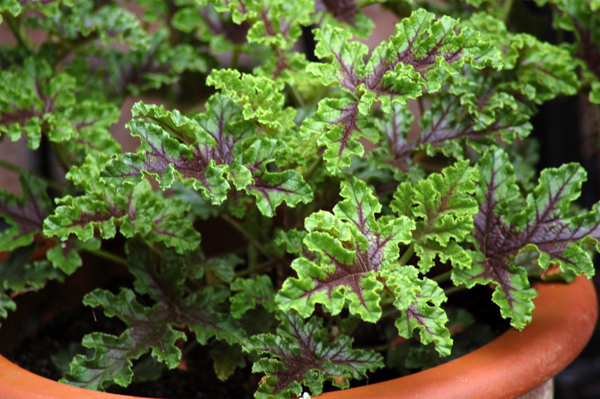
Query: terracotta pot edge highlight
(514, 363)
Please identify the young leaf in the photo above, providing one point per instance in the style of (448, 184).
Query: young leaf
(270, 188)
(418, 57)
(301, 354)
(338, 125)
(200, 164)
(413, 60)
(207, 153)
(276, 23)
(82, 18)
(261, 98)
(443, 208)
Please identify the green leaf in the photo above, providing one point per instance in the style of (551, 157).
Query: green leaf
(443, 207)
(134, 209)
(12, 6)
(147, 331)
(226, 359)
(513, 294)
(347, 250)
(261, 98)
(197, 152)
(32, 99)
(277, 23)
(270, 188)
(338, 125)
(18, 274)
(344, 14)
(419, 301)
(301, 354)
(200, 313)
(221, 146)
(109, 23)
(545, 224)
(161, 281)
(252, 292)
(25, 214)
(65, 256)
(6, 305)
(418, 54)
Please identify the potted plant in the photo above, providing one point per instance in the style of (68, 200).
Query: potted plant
(357, 190)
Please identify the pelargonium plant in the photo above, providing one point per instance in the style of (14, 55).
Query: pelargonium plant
(363, 185)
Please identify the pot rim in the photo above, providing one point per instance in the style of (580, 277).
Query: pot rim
(509, 366)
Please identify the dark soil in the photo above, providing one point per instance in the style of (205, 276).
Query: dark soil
(35, 349)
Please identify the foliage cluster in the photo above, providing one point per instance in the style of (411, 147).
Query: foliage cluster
(364, 185)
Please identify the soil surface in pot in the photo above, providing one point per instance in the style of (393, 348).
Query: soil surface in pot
(46, 350)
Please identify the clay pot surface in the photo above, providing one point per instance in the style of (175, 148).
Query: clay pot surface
(511, 365)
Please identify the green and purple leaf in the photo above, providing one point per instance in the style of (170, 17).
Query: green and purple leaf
(134, 209)
(350, 247)
(546, 225)
(25, 214)
(419, 301)
(417, 58)
(302, 354)
(210, 153)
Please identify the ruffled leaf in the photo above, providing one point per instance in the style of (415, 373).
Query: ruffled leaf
(251, 292)
(24, 214)
(154, 328)
(32, 98)
(546, 225)
(134, 209)
(443, 208)
(413, 60)
(261, 98)
(350, 247)
(301, 354)
(419, 300)
(113, 357)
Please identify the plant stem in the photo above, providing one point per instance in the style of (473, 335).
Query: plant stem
(506, 8)
(312, 168)
(110, 256)
(442, 277)
(243, 231)
(9, 166)
(235, 57)
(17, 169)
(297, 97)
(454, 289)
(16, 28)
(407, 254)
(389, 313)
(421, 106)
(256, 268)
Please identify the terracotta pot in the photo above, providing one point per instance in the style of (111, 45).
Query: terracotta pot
(515, 363)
